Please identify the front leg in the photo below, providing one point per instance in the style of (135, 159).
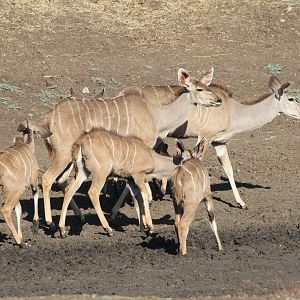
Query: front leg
(142, 185)
(223, 157)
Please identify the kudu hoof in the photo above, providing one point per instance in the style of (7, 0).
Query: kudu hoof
(82, 220)
(63, 232)
(52, 227)
(245, 207)
(35, 227)
(109, 231)
(23, 245)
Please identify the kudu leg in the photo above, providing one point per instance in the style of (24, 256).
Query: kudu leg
(138, 204)
(35, 193)
(189, 212)
(94, 193)
(18, 211)
(223, 157)
(119, 203)
(62, 184)
(69, 193)
(142, 185)
(212, 221)
(10, 203)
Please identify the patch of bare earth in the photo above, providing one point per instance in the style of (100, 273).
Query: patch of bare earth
(47, 47)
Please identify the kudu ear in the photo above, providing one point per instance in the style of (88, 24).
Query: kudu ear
(274, 84)
(283, 88)
(183, 77)
(208, 77)
(179, 147)
(198, 149)
(276, 87)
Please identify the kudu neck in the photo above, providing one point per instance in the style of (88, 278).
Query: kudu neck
(170, 116)
(253, 116)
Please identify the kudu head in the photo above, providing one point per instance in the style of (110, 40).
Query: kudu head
(196, 152)
(182, 154)
(28, 128)
(287, 103)
(199, 89)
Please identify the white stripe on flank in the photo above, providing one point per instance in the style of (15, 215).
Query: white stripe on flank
(91, 148)
(53, 115)
(29, 162)
(88, 111)
(8, 170)
(7, 155)
(73, 113)
(12, 149)
(157, 97)
(94, 110)
(127, 115)
(134, 154)
(79, 114)
(102, 141)
(108, 116)
(127, 152)
(121, 151)
(171, 90)
(99, 105)
(184, 168)
(59, 120)
(25, 169)
(119, 119)
(112, 144)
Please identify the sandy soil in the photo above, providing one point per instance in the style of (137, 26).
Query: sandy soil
(49, 47)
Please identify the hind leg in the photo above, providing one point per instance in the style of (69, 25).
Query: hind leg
(69, 193)
(18, 211)
(12, 201)
(35, 193)
(94, 193)
(212, 221)
(189, 212)
(56, 167)
(62, 183)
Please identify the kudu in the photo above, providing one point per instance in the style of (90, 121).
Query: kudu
(190, 186)
(220, 124)
(19, 169)
(126, 115)
(101, 153)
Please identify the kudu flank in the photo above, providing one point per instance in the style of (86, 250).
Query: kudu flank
(218, 125)
(126, 115)
(19, 169)
(100, 154)
(190, 186)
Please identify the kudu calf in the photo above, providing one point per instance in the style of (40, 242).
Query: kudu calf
(126, 115)
(100, 154)
(190, 186)
(19, 169)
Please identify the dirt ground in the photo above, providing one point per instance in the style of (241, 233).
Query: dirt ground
(47, 47)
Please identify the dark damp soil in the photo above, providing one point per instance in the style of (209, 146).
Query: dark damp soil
(47, 48)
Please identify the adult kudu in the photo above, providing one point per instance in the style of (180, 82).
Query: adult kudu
(219, 125)
(125, 115)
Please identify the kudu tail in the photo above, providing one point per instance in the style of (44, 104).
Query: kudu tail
(76, 156)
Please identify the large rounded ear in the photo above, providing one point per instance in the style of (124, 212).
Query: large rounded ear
(283, 88)
(183, 77)
(179, 146)
(198, 149)
(274, 84)
(208, 77)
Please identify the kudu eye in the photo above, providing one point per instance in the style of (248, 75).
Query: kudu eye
(291, 99)
(200, 90)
